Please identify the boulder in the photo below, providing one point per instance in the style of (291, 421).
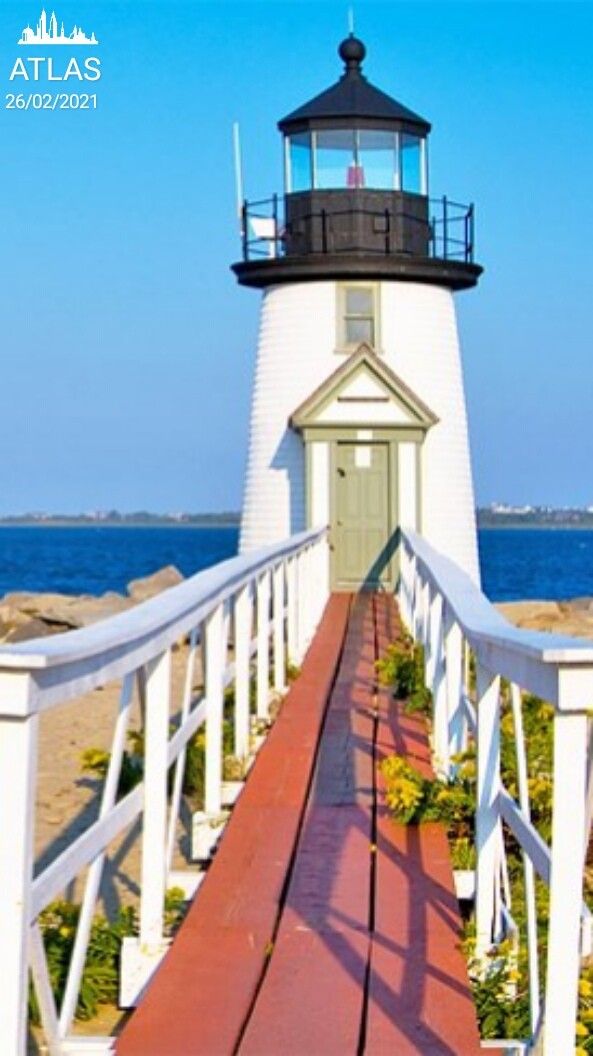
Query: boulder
(563, 617)
(24, 632)
(534, 615)
(65, 611)
(149, 586)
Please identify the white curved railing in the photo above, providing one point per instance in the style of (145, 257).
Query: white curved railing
(273, 599)
(446, 612)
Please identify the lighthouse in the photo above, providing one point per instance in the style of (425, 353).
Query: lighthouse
(358, 416)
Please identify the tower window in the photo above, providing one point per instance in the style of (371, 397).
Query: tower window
(357, 316)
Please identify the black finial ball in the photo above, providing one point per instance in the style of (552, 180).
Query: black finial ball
(352, 51)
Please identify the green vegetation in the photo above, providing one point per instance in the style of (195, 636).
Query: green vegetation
(501, 985)
(402, 668)
(100, 977)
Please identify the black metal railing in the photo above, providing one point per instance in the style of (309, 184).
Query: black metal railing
(444, 232)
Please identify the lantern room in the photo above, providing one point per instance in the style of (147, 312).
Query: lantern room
(356, 195)
(355, 166)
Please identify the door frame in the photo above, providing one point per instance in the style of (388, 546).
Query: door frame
(392, 508)
(332, 435)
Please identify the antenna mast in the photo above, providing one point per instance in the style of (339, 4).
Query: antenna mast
(238, 173)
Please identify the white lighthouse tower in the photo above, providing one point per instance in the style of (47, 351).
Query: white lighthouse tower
(358, 415)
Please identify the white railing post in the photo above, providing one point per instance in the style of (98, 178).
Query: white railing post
(566, 882)
(322, 580)
(263, 646)
(414, 597)
(292, 613)
(310, 593)
(432, 608)
(487, 813)
(214, 628)
(154, 831)
(18, 760)
(439, 688)
(453, 662)
(301, 581)
(278, 610)
(424, 616)
(243, 620)
(404, 593)
(304, 599)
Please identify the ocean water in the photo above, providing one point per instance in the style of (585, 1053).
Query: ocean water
(91, 560)
(542, 563)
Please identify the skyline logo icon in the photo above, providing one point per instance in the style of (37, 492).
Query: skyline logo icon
(46, 32)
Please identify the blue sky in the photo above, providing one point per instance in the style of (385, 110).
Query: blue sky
(127, 348)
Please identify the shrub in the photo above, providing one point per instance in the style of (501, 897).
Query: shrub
(402, 667)
(100, 977)
(413, 798)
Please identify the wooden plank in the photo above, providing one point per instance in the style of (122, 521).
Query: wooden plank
(201, 995)
(313, 994)
(419, 997)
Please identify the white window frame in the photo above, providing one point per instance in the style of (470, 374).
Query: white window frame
(342, 345)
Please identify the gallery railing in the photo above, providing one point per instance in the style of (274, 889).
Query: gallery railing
(442, 231)
(234, 618)
(454, 621)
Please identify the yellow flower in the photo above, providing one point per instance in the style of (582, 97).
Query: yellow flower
(585, 988)
(581, 1030)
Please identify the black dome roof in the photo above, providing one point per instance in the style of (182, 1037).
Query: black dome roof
(353, 97)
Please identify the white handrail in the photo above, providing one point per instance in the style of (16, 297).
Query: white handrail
(439, 602)
(281, 590)
(69, 664)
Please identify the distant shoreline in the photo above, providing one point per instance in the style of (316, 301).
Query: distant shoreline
(560, 527)
(117, 524)
(234, 524)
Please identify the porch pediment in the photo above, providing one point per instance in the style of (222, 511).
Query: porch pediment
(363, 391)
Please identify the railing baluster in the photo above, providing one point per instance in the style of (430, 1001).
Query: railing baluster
(438, 686)
(93, 881)
(214, 672)
(487, 812)
(528, 872)
(180, 764)
(453, 663)
(153, 875)
(243, 621)
(279, 651)
(566, 881)
(292, 615)
(263, 646)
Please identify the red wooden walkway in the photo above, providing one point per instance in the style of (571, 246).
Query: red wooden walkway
(321, 927)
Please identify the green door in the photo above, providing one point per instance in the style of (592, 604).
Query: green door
(360, 516)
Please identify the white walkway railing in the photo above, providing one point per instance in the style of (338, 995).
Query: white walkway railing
(273, 600)
(446, 613)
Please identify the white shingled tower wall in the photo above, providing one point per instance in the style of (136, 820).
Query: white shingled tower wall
(296, 353)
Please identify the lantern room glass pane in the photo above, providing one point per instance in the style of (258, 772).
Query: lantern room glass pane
(300, 162)
(411, 164)
(335, 160)
(377, 159)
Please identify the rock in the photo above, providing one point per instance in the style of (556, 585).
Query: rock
(563, 617)
(149, 586)
(26, 631)
(66, 611)
(580, 605)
